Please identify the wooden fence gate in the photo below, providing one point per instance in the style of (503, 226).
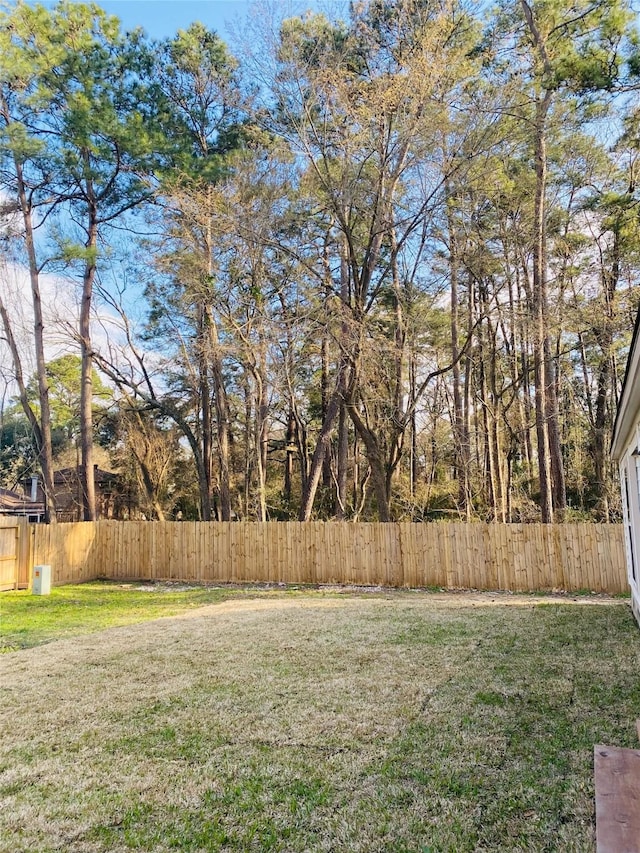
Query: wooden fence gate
(15, 537)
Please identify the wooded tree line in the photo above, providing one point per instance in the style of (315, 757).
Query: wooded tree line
(378, 266)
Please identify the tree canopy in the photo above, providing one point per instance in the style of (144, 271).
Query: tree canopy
(380, 267)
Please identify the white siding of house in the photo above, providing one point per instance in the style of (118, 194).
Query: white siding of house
(630, 488)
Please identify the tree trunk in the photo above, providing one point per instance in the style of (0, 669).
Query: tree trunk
(376, 463)
(152, 495)
(342, 459)
(604, 337)
(413, 466)
(249, 457)
(540, 313)
(334, 401)
(46, 447)
(550, 463)
(206, 427)
(86, 380)
(495, 434)
(262, 411)
(461, 441)
(289, 453)
(19, 376)
(322, 445)
(491, 484)
(223, 418)
(466, 400)
(324, 402)
(220, 402)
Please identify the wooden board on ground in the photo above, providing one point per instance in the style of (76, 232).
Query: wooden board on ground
(617, 783)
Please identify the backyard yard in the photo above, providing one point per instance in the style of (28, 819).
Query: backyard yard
(308, 720)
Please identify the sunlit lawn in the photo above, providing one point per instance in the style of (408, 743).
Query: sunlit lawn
(402, 722)
(30, 620)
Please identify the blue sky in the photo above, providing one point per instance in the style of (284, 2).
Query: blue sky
(162, 18)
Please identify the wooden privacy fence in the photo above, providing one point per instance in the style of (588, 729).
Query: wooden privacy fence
(70, 549)
(15, 553)
(479, 556)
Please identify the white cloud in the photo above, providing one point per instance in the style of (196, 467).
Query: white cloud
(60, 307)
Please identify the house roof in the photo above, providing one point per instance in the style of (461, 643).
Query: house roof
(629, 402)
(66, 475)
(13, 503)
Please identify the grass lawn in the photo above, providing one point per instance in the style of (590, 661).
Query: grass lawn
(399, 722)
(29, 620)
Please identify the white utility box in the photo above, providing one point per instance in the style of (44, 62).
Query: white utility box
(41, 580)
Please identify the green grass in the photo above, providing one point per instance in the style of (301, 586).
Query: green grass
(405, 723)
(28, 620)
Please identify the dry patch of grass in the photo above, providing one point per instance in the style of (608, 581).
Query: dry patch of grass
(407, 723)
